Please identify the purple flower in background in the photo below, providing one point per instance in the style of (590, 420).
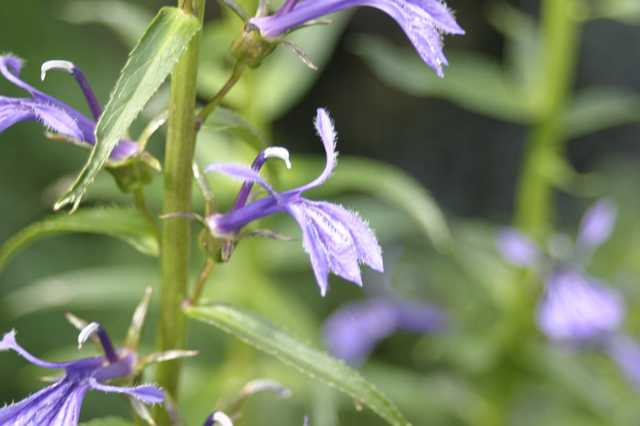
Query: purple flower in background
(59, 404)
(423, 21)
(576, 309)
(55, 115)
(336, 239)
(352, 332)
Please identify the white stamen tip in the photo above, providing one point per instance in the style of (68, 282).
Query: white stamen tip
(222, 419)
(86, 333)
(55, 65)
(278, 152)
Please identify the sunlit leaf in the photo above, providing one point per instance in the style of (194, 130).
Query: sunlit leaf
(600, 108)
(124, 223)
(309, 361)
(472, 81)
(97, 288)
(125, 19)
(148, 66)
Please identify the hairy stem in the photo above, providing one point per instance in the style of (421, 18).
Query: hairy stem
(176, 231)
(534, 204)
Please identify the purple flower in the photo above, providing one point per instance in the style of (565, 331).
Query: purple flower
(575, 309)
(352, 332)
(55, 115)
(424, 21)
(59, 404)
(336, 239)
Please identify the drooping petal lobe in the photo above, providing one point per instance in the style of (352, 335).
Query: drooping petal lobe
(9, 343)
(597, 224)
(146, 393)
(517, 248)
(577, 310)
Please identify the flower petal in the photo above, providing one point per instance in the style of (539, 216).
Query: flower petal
(578, 310)
(146, 393)
(9, 343)
(516, 248)
(369, 250)
(328, 135)
(597, 224)
(240, 172)
(626, 353)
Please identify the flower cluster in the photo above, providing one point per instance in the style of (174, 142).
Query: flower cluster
(577, 309)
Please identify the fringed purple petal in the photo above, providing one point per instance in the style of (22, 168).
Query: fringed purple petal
(423, 21)
(517, 248)
(578, 310)
(55, 405)
(11, 114)
(9, 343)
(146, 393)
(369, 251)
(626, 353)
(312, 245)
(326, 131)
(597, 224)
(240, 172)
(333, 237)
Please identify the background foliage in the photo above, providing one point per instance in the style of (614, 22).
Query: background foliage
(460, 139)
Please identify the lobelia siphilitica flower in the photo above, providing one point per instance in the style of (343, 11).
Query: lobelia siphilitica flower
(59, 404)
(576, 309)
(423, 21)
(336, 239)
(128, 162)
(352, 332)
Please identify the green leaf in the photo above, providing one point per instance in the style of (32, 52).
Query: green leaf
(124, 223)
(102, 289)
(148, 66)
(471, 81)
(600, 108)
(309, 361)
(107, 421)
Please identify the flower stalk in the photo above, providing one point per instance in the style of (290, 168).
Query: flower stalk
(176, 231)
(534, 204)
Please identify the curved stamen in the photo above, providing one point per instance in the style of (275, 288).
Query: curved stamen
(96, 329)
(218, 417)
(270, 152)
(92, 100)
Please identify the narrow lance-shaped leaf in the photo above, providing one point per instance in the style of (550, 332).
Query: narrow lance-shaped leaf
(126, 224)
(309, 361)
(148, 66)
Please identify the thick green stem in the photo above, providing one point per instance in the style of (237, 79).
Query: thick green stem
(176, 231)
(534, 204)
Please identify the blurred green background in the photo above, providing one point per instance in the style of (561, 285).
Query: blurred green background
(462, 139)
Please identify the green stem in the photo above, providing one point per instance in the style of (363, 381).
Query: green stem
(202, 281)
(176, 231)
(238, 70)
(534, 204)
